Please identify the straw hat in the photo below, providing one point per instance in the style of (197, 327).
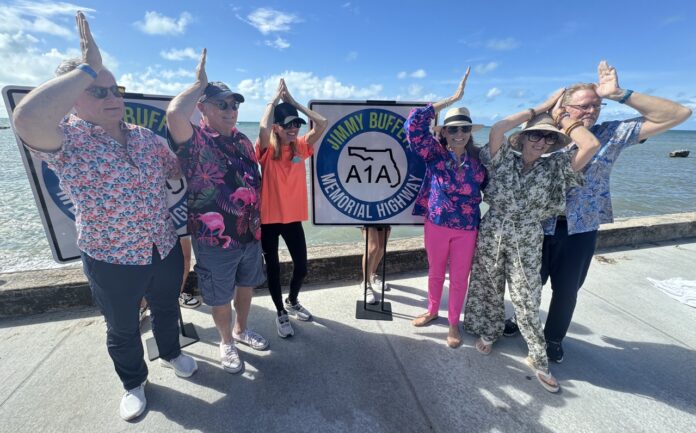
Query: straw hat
(542, 122)
(458, 117)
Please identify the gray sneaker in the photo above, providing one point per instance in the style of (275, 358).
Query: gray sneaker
(133, 403)
(377, 281)
(183, 365)
(372, 297)
(284, 327)
(298, 311)
(251, 339)
(229, 358)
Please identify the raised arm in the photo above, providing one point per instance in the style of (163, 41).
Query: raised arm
(181, 107)
(319, 121)
(660, 114)
(586, 141)
(496, 136)
(266, 124)
(38, 114)
(458, 94)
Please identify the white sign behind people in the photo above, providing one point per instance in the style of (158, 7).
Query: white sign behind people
(363, 170)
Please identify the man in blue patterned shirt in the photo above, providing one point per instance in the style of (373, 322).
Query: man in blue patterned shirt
(570, 239)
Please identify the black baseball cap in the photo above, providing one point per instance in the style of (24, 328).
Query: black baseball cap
(219, 90)
(285, 113)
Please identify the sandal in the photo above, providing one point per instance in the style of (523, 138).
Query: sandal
(454, 342)
(423, 320)
(545, 378)
(484, 345)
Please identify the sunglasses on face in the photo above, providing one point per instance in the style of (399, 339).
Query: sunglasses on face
(454, 129)
(550, 138)
(224, 105)
(587, 107)
(292, 124)
(102, 92)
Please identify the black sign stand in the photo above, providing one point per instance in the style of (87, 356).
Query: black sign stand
(188, 337)
(363, 310)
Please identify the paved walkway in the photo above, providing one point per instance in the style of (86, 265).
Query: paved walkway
(630, 359)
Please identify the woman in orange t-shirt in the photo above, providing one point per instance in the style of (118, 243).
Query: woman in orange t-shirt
(282, 154)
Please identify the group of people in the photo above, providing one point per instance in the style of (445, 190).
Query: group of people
(242, 198)
(547, 187)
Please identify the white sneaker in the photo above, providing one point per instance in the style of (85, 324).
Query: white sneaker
(284, 327)
(187, 300)
(372, 297)
(251, 339)
(229, 358)
(183, 365)
(298, 310)
(377, 281)
(133, 402)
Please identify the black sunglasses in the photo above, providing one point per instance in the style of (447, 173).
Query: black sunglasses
(550, 138)
(224, 105)
(292, 124)
(454, 129)
(101, 92)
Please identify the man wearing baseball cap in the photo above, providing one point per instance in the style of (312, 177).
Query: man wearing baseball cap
(224, 184)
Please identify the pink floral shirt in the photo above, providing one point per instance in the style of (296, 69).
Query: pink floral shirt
(118, 191)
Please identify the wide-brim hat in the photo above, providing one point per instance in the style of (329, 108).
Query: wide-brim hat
(285, 113)
(542, 122)
(219, 90)
(458, 117)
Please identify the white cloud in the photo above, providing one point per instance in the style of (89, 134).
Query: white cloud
(305, 86)
(485, 68)
(174, 54)
(502, 44)
(33, 17)
(158, 24)
(415, 90)
(157, 81)
(279, 43)
(270, 20)
(492, 93)
(420, 73)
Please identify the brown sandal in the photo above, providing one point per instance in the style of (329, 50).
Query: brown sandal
(484, 345)
(545, 378)
(423, 320)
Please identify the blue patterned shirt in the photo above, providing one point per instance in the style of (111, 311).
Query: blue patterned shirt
(589, 205)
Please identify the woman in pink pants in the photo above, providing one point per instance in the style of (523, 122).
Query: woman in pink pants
(449, 200)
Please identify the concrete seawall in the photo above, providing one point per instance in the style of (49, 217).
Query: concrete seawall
(33, 292)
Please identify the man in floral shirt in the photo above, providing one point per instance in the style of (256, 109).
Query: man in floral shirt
(114, 174)
(224, 182)
(570, 239)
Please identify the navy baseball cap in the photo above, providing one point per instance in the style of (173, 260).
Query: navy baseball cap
(219, 90)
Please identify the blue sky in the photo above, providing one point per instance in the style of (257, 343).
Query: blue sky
(519, 51)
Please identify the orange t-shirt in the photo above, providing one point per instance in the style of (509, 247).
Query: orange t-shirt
(284, 184)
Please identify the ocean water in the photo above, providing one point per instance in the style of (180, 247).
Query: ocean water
(645, 181)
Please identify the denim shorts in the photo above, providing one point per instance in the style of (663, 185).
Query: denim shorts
(219, 270)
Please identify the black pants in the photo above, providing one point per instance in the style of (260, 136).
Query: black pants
(117, 291)
(293, 235)
(566, 259)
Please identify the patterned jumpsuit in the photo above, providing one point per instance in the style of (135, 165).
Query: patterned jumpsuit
(510, 241)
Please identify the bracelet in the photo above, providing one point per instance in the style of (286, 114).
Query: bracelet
(627, 94)
(87, 69)
(570, 129)
(562, 116)
(532, 113)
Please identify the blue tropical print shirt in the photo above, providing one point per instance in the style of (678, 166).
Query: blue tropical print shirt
(589, 205)
(451, 191)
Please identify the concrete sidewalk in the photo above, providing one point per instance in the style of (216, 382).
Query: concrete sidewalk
(629, 367)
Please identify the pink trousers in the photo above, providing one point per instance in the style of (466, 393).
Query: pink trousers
(441, 244)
